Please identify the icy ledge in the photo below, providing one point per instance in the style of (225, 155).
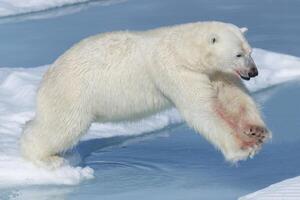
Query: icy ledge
(17, 101)
(285, 190)
(18, 7)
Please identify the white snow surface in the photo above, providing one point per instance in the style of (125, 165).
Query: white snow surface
(17, 7)
(285, 190)
(17, 105)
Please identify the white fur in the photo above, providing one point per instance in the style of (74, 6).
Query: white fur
(129, 75)
(244, 29)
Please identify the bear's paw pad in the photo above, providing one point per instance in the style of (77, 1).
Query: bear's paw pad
(254, 135)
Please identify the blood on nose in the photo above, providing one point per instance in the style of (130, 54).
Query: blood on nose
(253, 72)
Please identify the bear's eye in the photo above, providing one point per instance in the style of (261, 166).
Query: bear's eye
(239, 55)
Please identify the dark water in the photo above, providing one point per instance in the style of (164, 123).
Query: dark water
(176, 163)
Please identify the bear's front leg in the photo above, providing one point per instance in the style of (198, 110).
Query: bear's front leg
(227, 122)
(249, 134)
(235, 108)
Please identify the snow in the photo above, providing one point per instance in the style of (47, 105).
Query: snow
(287, 189)
(17, 101)
(17, 7)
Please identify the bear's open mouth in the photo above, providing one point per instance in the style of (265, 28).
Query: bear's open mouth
(245, 78)
(242, 76)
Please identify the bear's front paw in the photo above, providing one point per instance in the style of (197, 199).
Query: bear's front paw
(254, 135)
(248, 142)
(257, 134)
(250, 139)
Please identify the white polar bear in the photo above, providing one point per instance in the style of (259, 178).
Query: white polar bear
(117, 76)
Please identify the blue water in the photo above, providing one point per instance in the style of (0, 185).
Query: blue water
(175, 163)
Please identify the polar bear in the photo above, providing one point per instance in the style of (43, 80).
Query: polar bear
(124, 76)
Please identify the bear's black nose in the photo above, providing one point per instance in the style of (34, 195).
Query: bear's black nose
(253, 72)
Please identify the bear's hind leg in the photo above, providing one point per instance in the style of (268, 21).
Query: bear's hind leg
(45, 138)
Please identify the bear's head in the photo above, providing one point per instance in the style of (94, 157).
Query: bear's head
(219, 47)
(228, 50)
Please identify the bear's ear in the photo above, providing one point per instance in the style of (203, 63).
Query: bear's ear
(213, 39)
(244, 30)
